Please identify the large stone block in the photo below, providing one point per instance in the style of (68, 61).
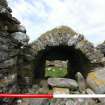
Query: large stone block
(96, 80)
(63, 82)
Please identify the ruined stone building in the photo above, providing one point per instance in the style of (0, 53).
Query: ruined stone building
(60, 46)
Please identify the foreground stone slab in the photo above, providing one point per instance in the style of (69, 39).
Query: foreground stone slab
(63, 82)
(96, 81)
(61, 91)
(34, 102)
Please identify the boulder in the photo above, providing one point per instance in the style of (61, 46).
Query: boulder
(96, 80)
(63, 82)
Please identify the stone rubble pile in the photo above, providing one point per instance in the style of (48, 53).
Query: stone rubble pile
(65, 86)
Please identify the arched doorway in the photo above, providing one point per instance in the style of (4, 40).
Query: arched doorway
(77, 61)
(65, 44)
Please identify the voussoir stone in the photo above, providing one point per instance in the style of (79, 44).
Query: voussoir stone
(96, 80)
(63, 82)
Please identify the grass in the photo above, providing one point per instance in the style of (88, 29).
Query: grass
(55, 72)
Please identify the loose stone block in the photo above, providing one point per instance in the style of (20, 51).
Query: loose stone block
(63, 82)
(61, 91)
(96, 81)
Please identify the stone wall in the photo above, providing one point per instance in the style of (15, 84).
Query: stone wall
(12, 39)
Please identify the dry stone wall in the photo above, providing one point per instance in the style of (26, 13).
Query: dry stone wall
(12, 38)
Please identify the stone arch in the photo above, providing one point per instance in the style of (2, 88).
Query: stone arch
(65, 43)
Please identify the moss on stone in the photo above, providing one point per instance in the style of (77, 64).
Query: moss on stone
(61, 29)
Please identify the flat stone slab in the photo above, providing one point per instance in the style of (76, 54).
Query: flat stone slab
(63, 82)
(61, 90)
(34, 102)
(96, 81)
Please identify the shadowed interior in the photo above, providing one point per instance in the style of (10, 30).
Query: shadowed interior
(77, 61)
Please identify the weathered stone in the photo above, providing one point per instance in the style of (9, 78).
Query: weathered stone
(89, 91)
(16, 28)
(10, 79)
(70, 102)
(35, 101)
(63, 82)
(56, 63)
(81, 82)
(4, 10)
(21, 37)
(9, 63)
(101, 47)
(61, 91)
(81, 101)
(96, 80)
(74, 40)
(4, 3)
(59, 101)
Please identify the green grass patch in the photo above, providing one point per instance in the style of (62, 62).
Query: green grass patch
(55, 72)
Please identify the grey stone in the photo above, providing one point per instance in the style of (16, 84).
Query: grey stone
(7, 80)
(81, 82)
(101, 47)
(16, 28)
(9, 62)
(63, 82)
(21, 37)
(89, 91)
(58, 101)
(21, 29)
(75, 39)
(70, 102)
(36, 101)
(4, 3)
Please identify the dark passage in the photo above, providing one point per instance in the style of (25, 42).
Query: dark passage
(77, 61)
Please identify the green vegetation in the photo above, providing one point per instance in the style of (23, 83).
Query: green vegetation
(55, 72)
